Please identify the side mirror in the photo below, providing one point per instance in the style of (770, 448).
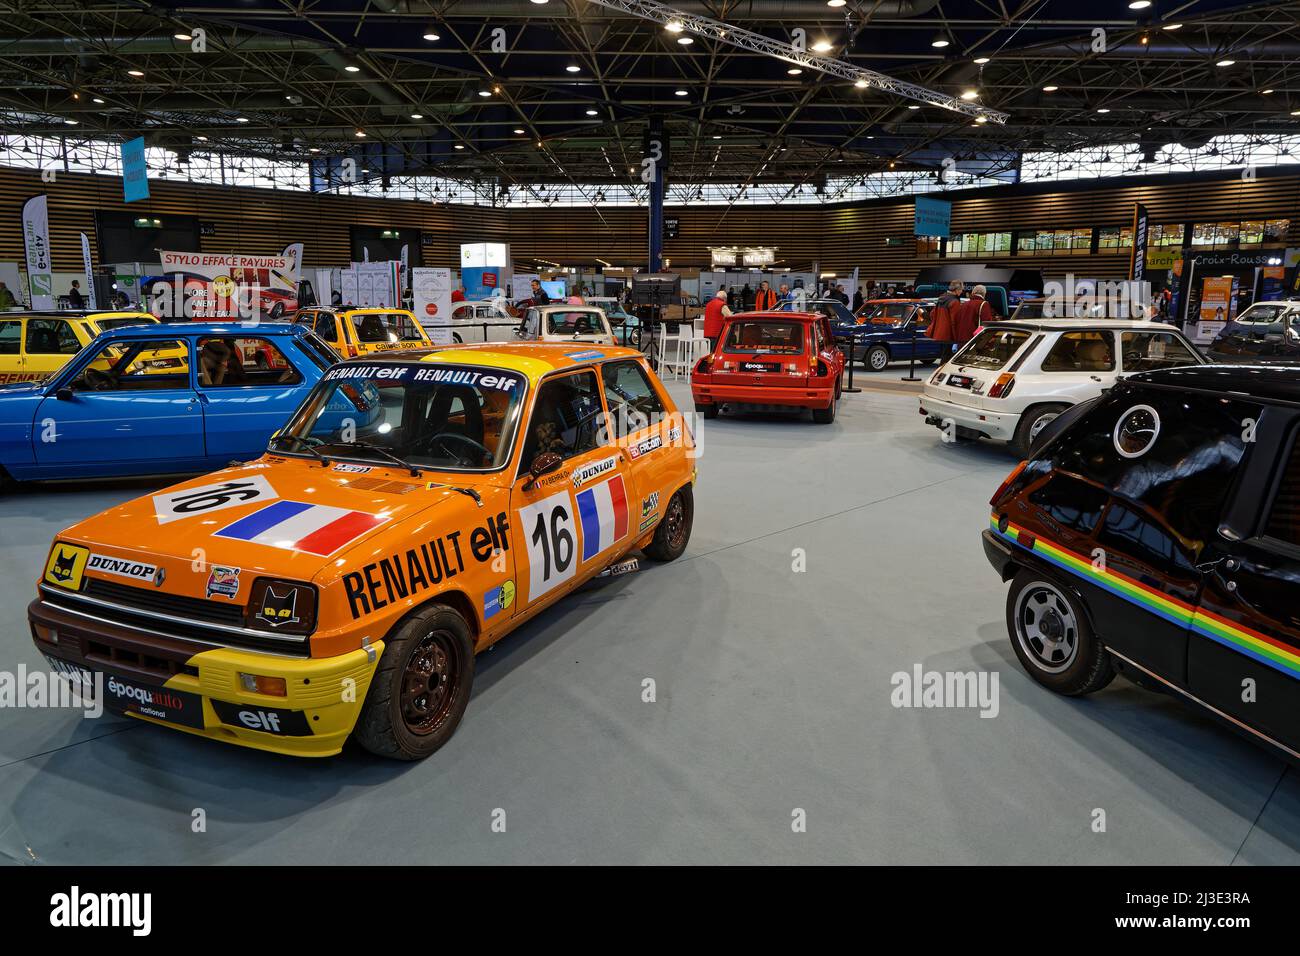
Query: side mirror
(543, 464)
(64, 394)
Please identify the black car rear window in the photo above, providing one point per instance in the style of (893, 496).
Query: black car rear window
(782, 338)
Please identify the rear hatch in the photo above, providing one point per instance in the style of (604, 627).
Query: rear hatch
(763, 352)
(966, 377)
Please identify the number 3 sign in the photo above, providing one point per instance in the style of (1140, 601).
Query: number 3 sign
(552, 543)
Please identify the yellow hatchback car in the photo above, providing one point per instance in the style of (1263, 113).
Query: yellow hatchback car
(36, 344)
(355, 332)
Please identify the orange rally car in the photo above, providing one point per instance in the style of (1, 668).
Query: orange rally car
(415, 509)
(767, 360)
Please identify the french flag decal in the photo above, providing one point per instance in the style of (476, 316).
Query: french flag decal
(295, 526)
(602, 509)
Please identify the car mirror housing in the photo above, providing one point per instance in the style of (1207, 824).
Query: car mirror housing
(64, 394)
(545, 463)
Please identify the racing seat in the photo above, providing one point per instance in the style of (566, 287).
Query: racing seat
(1093, 355)
(372, 329)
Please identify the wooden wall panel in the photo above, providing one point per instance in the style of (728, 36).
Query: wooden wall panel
(838, 238)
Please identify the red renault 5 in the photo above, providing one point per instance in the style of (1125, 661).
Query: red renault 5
(771, 360)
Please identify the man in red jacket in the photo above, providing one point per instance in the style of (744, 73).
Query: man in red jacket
(714, 313)
(974, 313)
(943, 317)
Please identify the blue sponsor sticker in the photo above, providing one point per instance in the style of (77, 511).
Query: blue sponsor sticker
(583, 356)
(498, 599)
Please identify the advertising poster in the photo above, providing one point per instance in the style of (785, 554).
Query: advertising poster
(483, 268)
(135, 170)
(36, 240)
(202, 285)
(431, 291)
(521, 285)
(1216, 306)
(372, 285)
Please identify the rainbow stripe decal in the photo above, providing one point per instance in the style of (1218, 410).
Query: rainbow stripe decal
(1258, 647)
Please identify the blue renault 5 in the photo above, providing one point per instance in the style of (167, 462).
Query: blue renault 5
(160, 399)
(889, 330)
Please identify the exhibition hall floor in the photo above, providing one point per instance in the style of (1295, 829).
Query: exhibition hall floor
(772, 695)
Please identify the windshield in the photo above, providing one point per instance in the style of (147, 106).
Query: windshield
(431, 415)
(992, 349)
(894, 313)
(784, 338)
(575, 322)
(105, 324)
(1264, 314)
(386, 327)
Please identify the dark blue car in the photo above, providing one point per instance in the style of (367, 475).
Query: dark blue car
(183, 397)
(888, 330)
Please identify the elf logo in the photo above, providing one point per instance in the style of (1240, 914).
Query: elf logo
(260, 720)
(267, 720)
(75, 909)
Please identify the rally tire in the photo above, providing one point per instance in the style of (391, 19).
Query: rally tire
(1033, 421)
(673, 532)
(388, 725)
(707, 411)
(877, 358)
(824, 416)
(1053, 637)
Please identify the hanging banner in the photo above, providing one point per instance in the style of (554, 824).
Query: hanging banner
(135, 170)
(91, 299)
(1138, 259)
(431, 292)
(932, 217)
(36, 238)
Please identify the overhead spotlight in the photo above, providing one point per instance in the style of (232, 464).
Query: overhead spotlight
(484, 92)
(1295, 112)
(1225, 62)
(1139, 4)
(313, 149)
(573, 68)
(519, 132)
(794, 71)
(823, 46)
(914, 107)
(1050, 89)
(981, 118)
(1266, 92)
(460, 146)
(201, 139)
(970, 95)
(539, 2)
(981, 60)
(431, 36)
(1103, 109)
(940, 42)
(686, 41)
(417, 116)
(861, 84)
(836, 3)
(674, 26)
(593, 112)
(135, 72)
(96, 99)
(717, 137)
(70, 122)
(360, 134)
(183, 37)
(352, 68)
(1172, 26)
(681, 93)
(241, 119)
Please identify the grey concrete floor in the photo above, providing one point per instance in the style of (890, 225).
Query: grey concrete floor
(773, 695)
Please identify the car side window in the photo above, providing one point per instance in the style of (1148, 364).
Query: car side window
(566, 417)
(1081, 352)
(326, 327)
(1144, 351)
(1283, 522)
(632, 400)
(11, 335)
(137, 367)
(51, 337)
(234, 362)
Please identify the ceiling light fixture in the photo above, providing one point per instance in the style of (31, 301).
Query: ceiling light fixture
(97, 100)
(794, 71)
(431, 36)
(484, 92)
(823, 46)
(241, 119)
(183, 37)
(1225, 62)
(417, 116)
(352, 68)
(1139, 4)
(939, 42)
(360, 134)
(686, 41)
(519, 132)
(836, 3)
(861, 84)
(1103, 109)
(459, 146)
(969, 95)
(981, 60)
(573, 68)
(1172, 26)
(914, 107)
(680, 93)
(135, 72)
(1266, 92)
(1050, 89)
(674, 26)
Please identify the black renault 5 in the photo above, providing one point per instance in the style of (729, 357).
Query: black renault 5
(1157, 534)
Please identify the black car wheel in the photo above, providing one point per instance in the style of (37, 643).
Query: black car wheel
(421, 688)
(877, 358)
(674, 529)
(1052, 638)
(1032, 422)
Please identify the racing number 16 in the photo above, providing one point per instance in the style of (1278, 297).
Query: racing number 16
(552, 543)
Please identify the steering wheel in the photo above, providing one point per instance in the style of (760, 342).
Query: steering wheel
(98, 381)
(440, 437)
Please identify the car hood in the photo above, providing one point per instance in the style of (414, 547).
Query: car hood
(286, 518)
(21, 388)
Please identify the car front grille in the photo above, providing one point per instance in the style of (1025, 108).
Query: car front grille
(214, 612)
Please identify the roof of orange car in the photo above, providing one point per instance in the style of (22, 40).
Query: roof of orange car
(533, 359)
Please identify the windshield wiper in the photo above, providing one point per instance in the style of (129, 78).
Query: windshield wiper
(379, 450)
(276, 439)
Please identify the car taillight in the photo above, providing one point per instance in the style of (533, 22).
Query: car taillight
(821, 368)
(1007, 482)
(1002, 387)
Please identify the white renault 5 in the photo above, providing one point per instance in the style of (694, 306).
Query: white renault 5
(566, 323)
(1014, 377)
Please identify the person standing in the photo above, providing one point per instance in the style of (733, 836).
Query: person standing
(714, 313)
(943, 317)
(75, 299)
(840, 294)
(539, 294)
(972, 314)
(7, 300)
(859, 297)
(765, 299)
(458, 294)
